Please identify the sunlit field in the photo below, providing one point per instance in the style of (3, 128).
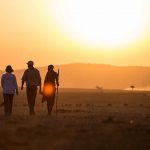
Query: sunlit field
(86, 119)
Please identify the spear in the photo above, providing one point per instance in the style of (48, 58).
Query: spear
(57, 91)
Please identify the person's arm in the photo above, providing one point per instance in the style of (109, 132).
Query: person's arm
(16, 86)
(40, 91)
(46, 78)
(22, 85)
(2, 81)
(23, 80)
(57, 79)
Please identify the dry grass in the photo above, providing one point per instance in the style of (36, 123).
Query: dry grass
(86, 120)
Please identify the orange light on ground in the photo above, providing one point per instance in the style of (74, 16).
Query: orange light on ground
(48, 89)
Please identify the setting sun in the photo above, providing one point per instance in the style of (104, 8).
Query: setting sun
(104, 23)
(115, 32)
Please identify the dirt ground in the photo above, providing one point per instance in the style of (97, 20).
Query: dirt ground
(86, 120)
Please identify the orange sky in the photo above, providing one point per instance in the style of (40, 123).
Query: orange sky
(30, 29)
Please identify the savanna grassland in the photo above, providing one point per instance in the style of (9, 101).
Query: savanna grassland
(86, 120)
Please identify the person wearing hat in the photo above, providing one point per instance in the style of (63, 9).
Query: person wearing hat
(49, 89)
(10, 87)
(33, 79)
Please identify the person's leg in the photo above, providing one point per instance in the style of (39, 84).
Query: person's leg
(11, 96)
(6, 104)
(33, 97)
(28, 92)
(50, 103)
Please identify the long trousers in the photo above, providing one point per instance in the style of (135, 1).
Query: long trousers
(8, 103)
(31, 96)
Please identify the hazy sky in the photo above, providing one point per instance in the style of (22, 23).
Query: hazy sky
(66, 31)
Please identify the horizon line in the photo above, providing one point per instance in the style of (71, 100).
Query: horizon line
(82, 63)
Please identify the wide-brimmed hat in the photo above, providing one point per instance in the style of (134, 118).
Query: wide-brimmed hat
(30, 62)
(9, 69)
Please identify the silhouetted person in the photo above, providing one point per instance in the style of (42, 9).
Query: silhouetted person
(33, 79)
(50, 82)
(10, 87)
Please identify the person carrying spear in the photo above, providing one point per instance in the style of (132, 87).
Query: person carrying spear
(49, 89)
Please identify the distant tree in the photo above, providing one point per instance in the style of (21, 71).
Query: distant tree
(132, 87)
(99, 88)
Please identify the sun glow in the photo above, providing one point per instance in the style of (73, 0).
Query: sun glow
(48, 90)
(105, 23)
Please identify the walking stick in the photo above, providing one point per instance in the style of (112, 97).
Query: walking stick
(57, 93)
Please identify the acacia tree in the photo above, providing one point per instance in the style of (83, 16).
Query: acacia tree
(132, 87)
